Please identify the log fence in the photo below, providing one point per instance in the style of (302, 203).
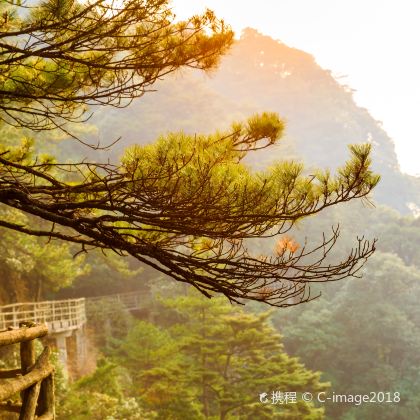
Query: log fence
(35, 378)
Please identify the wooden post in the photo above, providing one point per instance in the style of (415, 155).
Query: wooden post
(29, 403)
(27, 353)
(27, 360)
(46, 407)
(10, 373)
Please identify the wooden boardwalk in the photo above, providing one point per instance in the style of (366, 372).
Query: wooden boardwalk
(131, 301)
(65, 319)
(63, 315)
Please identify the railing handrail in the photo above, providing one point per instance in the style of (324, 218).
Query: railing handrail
(113, 296)
(43, 302)
(60, 314)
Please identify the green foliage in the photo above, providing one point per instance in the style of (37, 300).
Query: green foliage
(402, 237)
(100, 396)
(31, 267)
(365, 338)
(109, 321)
(224, 344)
(156, 371)
(196, 168)
(62, 55)
(214, 361)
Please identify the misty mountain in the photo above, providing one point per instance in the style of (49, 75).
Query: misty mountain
(262, 74)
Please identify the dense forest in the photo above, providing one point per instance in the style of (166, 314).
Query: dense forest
(199, 358)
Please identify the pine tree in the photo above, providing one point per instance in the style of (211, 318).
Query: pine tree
(186, 205)
(234, 357)
(216, 361)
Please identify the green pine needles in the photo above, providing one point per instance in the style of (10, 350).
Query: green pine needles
(186, 205)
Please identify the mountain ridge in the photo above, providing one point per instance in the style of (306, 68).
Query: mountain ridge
(262, 74)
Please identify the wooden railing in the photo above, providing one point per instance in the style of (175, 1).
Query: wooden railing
(58, 315)
(64, 315)
(34, 380)
(131, 301)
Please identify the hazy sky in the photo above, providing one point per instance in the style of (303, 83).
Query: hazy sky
(375, 43)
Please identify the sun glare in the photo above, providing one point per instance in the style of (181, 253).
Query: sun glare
(351, 38)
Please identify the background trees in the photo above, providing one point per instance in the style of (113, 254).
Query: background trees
(365, 338)
(233, 356)
(213, 360)
(30, 268)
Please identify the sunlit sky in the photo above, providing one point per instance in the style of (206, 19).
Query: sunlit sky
(374, 43)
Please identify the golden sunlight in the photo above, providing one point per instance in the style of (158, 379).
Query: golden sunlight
(354, 40)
